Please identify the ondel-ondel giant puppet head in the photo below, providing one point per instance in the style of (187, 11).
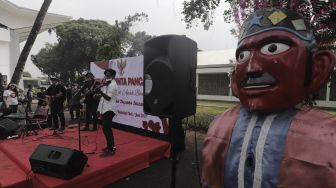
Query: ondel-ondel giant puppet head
(278, 64)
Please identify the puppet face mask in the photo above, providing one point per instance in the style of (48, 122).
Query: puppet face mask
(272, 61)
(270, 71)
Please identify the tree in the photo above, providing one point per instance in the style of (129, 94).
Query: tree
(30, 41)
(83, 41)
(47, 60)
(137, 43)
(320, 14)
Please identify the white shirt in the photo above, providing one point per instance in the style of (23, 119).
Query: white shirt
(111, 105)
(10, 97)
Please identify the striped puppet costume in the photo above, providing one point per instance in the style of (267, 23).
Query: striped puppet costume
(272, 139)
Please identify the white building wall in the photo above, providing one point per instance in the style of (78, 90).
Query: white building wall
(4, 35)
(14, 49)
(4, 51)
(4, 55)
(9, 52)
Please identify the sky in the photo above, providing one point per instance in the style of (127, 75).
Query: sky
(164, 16)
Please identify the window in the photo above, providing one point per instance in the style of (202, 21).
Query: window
(214, 84)
(332, 96)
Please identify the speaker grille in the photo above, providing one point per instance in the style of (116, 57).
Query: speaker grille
(56, 161)
(170, 62)
(7, 127)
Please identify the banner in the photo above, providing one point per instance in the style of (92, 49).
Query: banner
(129, 78)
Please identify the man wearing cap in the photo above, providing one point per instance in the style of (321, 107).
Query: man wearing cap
(274, 138)
(91, 103)
(108, 109)
(55, 95)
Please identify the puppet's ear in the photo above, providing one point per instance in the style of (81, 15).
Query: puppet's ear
(323, 64)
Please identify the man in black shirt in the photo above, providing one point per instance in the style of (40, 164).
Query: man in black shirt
(29, 97)
(68, 95)
(75, 103)
(91, 103)
(41, 97)
(56, 95)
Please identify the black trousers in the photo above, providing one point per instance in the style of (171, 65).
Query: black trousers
(75, 108)
(29, 105)
(107, 128)
(56, 111)
(91, 113)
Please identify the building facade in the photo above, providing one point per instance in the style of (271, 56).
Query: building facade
(213, 79)
(15, 25)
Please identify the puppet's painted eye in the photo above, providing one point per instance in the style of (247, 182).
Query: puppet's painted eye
(274, 48)
(243, 56)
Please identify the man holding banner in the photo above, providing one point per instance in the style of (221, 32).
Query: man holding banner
(107, 108)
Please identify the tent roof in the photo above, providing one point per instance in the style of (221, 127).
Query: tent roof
(218, 57)
(22, 19)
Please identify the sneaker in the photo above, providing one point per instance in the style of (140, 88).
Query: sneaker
(61, 129)
(107, 152)
(106, 148)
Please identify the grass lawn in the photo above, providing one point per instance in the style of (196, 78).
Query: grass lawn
(212, 107)
(207, 110)
(216, 107)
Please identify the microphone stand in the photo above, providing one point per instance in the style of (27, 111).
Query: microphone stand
(79, 137)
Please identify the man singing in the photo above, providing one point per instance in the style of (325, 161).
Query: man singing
(107, 109)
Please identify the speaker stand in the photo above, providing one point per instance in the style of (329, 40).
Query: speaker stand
(177, 142)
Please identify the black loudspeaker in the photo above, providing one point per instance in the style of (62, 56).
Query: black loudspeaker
(58, 162)
(170, 76)
(7, 127)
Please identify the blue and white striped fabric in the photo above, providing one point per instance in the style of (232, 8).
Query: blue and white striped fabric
(256, 149)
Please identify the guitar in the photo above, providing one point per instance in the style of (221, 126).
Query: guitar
(51, 99)
(40, 99)
(89, 92)
(97, 91)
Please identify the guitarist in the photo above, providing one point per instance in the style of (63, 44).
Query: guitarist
(91, 103)
(55, 95)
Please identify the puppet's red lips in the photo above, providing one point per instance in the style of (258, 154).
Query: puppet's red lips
(258, 80)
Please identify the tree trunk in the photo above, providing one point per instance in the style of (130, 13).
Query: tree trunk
(30, 41)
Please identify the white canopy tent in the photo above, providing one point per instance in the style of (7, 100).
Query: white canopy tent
(15, 25)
